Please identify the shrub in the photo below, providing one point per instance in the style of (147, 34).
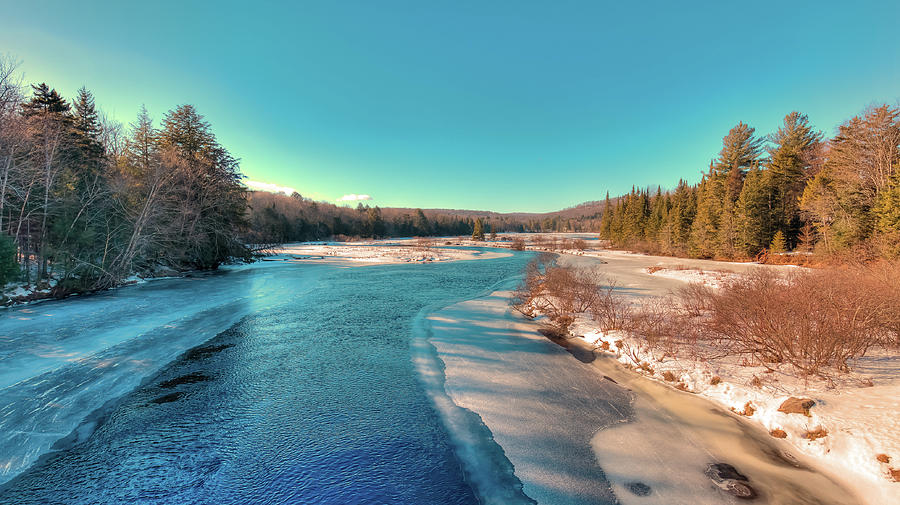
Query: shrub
(611, 310)
(811, 320)
(557, 292)
(518, 244)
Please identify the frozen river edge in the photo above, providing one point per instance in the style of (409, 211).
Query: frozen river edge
(580, 432)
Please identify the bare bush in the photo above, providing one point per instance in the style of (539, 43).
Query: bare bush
(811, 320)
(611, 310)
(695, 299)
(518, 244)
(883, 280)
(558, 292)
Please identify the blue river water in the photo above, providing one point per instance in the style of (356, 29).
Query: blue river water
(276, 383)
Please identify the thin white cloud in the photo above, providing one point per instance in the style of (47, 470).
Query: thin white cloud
(272, 188)
(354, 198)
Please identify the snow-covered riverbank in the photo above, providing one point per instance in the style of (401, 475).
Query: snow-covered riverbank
(853, 428)
(556, 417)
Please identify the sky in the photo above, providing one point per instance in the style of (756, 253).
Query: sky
(490, 105)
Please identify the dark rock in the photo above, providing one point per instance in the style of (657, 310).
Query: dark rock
(740, 489)
(719, 472)
(796, 406)
(639, 488)
(191, 378)
(204, 352)
(728, 479)
(169, 398)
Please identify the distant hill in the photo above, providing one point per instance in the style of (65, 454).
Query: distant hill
(592, 209)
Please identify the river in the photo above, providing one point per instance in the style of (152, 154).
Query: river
(282, 382)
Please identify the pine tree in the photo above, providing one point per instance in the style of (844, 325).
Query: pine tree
(142, 148)
(208, 180)
(45, 100)
(754, 214)
(86, 118)
(787, 171)
(779, 243)
(9, 267)
(606, 219)
(421, 223)
(887, 218)
(704, 230)
(478, 230)
(740, 150)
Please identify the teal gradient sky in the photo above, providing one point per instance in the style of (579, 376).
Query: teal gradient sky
(512, 105)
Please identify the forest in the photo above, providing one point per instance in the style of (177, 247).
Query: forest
(793, 190)
(87, 202)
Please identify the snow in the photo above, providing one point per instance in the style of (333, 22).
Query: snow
(858, 410)
(711, 278)
(381, 252)
(498, 366)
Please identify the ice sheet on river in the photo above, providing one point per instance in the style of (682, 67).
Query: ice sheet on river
(92, 349)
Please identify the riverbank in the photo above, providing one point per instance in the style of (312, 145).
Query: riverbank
(557, 418)
(852, 428)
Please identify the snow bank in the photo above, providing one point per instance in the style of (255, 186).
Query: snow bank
(858, 412)
(379, 252)
(711, 278)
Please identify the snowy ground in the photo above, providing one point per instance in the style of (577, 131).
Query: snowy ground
(557, 418)
(404, 251)
(858, 411)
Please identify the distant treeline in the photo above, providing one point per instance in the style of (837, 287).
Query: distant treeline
(793, 190)
(277, 218)
(88, 202)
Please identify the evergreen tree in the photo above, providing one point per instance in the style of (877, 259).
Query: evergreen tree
(787, 171)
(704, 230)
(478, 230)
(208, 179)
(754, 214)
(421, 223)
(375, 222)
(45, 100)
(887, 218)
(9, 267)
(740, 150)
(606, 219)
(86, 123)
(779, 243)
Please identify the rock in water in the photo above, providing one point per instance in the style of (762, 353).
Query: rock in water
(639, 488)
(727, 478)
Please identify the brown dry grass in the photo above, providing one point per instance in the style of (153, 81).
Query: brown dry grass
(815, 434)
